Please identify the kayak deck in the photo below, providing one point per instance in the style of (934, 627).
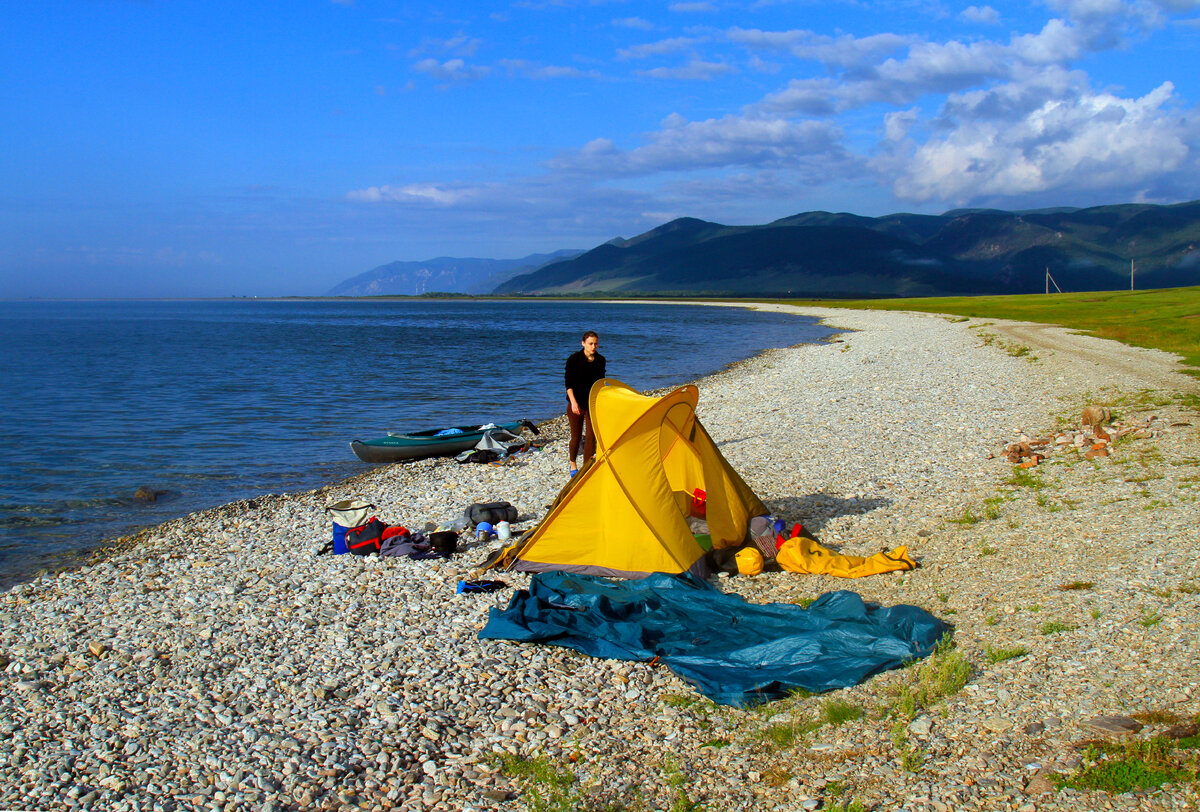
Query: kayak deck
(395, 446)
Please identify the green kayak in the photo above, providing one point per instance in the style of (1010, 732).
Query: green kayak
(396, 447)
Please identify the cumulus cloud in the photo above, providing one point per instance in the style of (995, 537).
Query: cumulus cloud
(452, 70)
(532, 70)
(460, 45)
(980, 14)
(1053, 133)
(664, 46)
(925, 68)
(428, 193)
(680, 145)
(696, 69)
(634, 22)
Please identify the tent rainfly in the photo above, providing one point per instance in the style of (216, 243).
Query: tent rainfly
(625, 513)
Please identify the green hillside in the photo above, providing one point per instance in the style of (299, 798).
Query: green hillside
(978, 251)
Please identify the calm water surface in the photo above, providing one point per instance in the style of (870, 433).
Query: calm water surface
(215, 401)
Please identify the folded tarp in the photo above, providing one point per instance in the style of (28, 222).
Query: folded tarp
(735, 653)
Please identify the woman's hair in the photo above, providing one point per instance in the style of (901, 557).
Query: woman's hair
(590, 334)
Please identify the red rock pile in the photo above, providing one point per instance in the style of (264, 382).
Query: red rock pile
(1093, 438)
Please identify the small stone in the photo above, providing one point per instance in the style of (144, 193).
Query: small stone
(1040, 784)
(1034, 728)
(997, 724)
(1182, 731)
(495, 795)
(96, 649)
(921, 727)
(1112, 724)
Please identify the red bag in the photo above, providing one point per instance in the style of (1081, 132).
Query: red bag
(365, 539)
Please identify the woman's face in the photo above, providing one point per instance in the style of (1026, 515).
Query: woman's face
(589, 346)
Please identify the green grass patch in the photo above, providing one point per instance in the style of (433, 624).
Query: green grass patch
(999, 654)
(939, 675)
(1162, 319)
(837, 712)
(984, 549)
(1150, 619)
(677, 781)
(847, 806)
(546, 786)
(1130, 766)
(1073, 585)
(967, 517)
(1021, 478)
(1056, 626)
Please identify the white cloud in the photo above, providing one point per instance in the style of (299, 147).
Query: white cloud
(1051, 134)
(453, 70)
(532, 70)
(681, 145)
(985, 15)
(693, 8)
(636, 23)
(664, 46)
(697, 69)
(926, 68)
(460, 45)
(441, 195)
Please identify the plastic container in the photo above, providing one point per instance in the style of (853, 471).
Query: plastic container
(339, 539)
(503, 531)
(483, 531)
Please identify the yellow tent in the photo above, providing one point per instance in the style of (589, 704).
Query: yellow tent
(626, 513)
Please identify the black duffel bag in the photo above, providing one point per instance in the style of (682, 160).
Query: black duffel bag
(491, 512)
(366, 538)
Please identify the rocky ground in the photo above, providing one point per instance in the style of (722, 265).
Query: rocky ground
(217, 662)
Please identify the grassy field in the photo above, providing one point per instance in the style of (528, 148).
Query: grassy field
(1165, 319)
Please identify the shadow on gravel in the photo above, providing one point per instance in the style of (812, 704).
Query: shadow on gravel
(818, 509)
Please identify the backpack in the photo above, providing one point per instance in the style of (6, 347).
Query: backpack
(346, 514)
(491, 512)
(366, 538)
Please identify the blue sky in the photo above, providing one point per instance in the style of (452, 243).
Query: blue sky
(178, 148)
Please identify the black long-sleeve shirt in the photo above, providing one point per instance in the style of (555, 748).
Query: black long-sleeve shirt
(580, 374)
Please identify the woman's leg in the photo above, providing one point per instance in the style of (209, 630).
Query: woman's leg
(589, 442)
(575, 421)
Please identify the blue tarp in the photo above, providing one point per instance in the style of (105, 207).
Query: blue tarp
(735, 653)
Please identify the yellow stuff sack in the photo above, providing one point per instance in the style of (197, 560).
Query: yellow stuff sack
(806, 556)
(749, 561)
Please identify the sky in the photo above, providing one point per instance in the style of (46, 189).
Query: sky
(179, 148)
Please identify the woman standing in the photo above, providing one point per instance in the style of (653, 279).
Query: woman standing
(584, 368)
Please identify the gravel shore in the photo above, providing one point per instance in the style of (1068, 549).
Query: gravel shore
(216, 662)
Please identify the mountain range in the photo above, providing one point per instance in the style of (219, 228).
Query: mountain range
(836, 255)
(822, 254)
(442, 275)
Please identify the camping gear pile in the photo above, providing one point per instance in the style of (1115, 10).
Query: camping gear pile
(660, 507)
(355, 533)
(621, 556)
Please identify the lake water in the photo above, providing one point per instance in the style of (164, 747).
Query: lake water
(215, 401)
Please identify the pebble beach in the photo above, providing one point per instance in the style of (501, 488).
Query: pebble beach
(217, 662)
